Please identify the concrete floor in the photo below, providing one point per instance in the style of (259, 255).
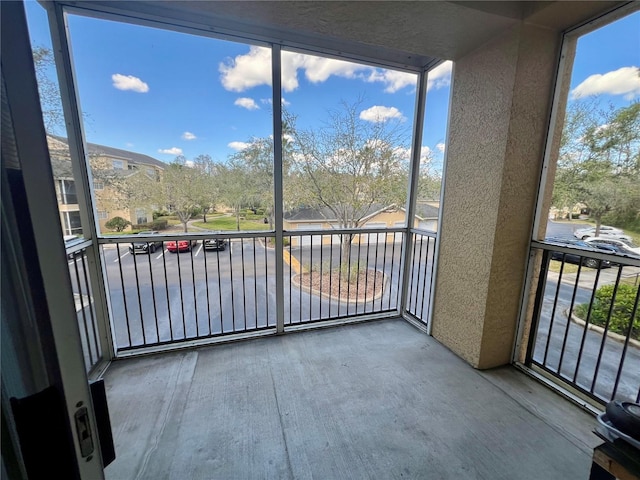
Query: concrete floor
(378, 400)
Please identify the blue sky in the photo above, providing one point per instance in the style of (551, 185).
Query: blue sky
(164, 93)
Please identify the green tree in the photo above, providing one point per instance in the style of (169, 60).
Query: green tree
(349, 167)
(179, 189)
(207, 190)
(235, 186)
(255, 165)
(48, 89)
(117, 224)
(599, 163)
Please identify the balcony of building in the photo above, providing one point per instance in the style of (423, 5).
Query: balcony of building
(425, 354)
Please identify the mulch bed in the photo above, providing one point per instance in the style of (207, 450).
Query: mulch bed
(330, 283)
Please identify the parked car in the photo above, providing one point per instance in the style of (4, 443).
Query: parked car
(576, 258)
(181, 245)
(145, 247)
(620, 246)
(605, 231)
(215, 243)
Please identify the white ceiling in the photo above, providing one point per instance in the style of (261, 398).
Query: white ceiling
(406, 34)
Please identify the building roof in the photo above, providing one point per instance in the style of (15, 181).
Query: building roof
(60, 143)
(324, 214)
(426, 210)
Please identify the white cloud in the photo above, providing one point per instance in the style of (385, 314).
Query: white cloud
(246, 71)
(238, 146)
(269, 101)
(248, 103)
(624, 81)
(188, 136)
(405, 154)
(171, 151)
(129, 82)
(440, 76)
(189, 163)
(441, 147)
(129, 144)
(254, 68)
(378, 113)
(425, 154)
(393, 79)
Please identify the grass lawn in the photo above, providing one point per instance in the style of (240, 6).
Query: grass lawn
(554, 266)
(229, 223)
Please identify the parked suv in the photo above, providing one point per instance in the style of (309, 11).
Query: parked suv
(605, 231)
(144, 247)
(215, 243)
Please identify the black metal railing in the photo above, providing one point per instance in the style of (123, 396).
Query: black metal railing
(340, 274)
(421, 275)
(585, 329)
(85, 306)
(158, 297)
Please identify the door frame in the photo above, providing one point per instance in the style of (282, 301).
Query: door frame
(62, 348)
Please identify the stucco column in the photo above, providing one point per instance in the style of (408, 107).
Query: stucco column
(499, 115)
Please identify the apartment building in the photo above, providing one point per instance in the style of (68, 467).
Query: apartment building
(111, 168)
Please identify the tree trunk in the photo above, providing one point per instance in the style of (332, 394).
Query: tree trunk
(345, 256)
(238, 218)
(186, 229)
(598, 225)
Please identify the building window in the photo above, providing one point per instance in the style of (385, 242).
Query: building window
(67, 190)
(103, 214)
(98, 185)
(151, 172)
(72, 223)
(141, 215)
(118, 164)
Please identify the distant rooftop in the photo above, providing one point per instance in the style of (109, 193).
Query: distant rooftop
(61, 143)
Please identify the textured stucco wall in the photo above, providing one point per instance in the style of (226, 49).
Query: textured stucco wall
(499, 113)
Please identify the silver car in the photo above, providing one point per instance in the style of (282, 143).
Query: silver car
(605, 231)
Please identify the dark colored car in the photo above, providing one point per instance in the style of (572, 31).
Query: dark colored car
(577, 257)
(215, 243)
(145, 247)
(181, 245)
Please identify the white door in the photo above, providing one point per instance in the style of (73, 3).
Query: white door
(374, 238)
(307, 240)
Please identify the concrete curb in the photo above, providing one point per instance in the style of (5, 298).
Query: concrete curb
(614, 336)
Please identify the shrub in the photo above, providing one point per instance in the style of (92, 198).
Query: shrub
(621, 313)
(160, 224)
(160, 213)
(117, 223)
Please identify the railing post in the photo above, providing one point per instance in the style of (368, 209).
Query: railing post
(277, 183)
(81, 171)
(414, 175)
(537, 306)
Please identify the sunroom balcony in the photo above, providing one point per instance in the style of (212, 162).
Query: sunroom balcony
(375, 399)
(372, 400)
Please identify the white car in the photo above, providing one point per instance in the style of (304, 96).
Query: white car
(621, 246)
(605, 231)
